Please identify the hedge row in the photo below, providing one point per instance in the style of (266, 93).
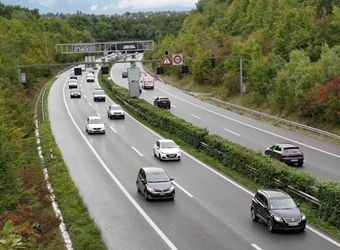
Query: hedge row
(262, 169)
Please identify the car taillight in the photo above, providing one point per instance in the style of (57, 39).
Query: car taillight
(169, 102)
(159, 101)
(284, 154)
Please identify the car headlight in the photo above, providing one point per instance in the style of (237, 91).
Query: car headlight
(150, 189)
(278, 219)
(303, 217)
(172, 188)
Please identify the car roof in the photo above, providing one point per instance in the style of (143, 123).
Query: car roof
(286, 145)
(115, 105)
(274, 193)
(153, 170)
(94, 117)
(165, 140)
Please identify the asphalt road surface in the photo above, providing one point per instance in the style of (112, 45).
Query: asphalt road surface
(210, 210)
(322, 159)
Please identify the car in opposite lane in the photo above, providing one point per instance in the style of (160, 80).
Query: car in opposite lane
(155, 183)
(75, 93)
(72, 83)
(166, 150)
(95, 125)
(278, 210)
(162, 102)
(99, 95)
(115, 111)
(286, 152)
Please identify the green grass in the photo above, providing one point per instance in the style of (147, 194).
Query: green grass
(81, 227)
(305, 206)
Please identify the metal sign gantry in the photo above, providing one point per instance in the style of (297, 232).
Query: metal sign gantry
(105, 47)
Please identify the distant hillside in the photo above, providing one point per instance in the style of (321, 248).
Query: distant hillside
(290, 51)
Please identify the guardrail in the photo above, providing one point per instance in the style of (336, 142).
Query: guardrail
(299, 193)
(296, 124)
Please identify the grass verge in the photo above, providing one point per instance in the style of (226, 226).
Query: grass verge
(83, 231)
(216, 92)
(308, 209)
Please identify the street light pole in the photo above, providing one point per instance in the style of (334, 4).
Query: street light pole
(45, 41)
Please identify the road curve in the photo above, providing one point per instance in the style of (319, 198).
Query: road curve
(210, 211)
(321, 158)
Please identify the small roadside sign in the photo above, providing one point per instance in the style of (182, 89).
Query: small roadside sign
(166, 61)
(177, 59)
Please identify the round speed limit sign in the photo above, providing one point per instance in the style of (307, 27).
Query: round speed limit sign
(177, 59)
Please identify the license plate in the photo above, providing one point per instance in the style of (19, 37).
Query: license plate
(294, 160)
(162, 193)
(293, 224)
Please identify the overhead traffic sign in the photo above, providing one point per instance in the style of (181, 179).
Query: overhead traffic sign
(166, 61)
(177, 59)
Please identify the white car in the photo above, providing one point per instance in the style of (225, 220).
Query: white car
(95, 125)
(90, 77)
(115, 111)
(72, 84)
(166, 150)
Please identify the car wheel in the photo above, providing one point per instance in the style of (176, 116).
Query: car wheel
(159, 157)
(172, 198)
(169, 107)
(154, 153)
(138, 190)
(108, 115)
(253, 214)
(300, 164)
(270, 225)
(145, 195)
(278, 158)
(123, 117)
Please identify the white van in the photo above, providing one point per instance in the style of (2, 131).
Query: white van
(147, 82)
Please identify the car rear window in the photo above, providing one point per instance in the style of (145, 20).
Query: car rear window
(164, 99)
(292, 149)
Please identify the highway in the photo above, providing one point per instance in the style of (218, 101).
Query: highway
(322, 159)
(210, 210)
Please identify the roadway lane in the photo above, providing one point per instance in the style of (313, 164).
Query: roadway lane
(225, 201)
(322, 158)
(187, 225)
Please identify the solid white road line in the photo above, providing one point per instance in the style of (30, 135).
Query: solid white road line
(84, 95)
(256, 247)
(113, 129)
(139, 208)
(90, 104)
(180, 187)
(196, 116)
(137, 151)
(173, 106)
(231, 132)
(98, 114)
(230, 180)
(250, 126)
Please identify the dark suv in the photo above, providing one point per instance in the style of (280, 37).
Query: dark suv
(278, 210)
(162, 102)
(286, 152)
(155, 183)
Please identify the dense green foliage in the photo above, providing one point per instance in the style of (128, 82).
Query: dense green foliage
(254, 166)
(24, 195)
(290, 53)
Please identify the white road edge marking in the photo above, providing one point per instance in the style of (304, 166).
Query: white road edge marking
(256, 247)
(84, 95)
(196, 116)
(234, 183)
(250, 126)
(113, 129)
(139, 208)
(98, 114)
(173, 106)
(90, 104)
(180, 187)
(231, 132)
(137, 151)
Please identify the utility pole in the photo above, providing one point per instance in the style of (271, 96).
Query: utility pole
(45, 41)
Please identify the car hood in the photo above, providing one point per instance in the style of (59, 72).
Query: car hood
(117, 111)
(99, 94)
(159, 185)
(170, 150)
(97, 125)
(287, 213)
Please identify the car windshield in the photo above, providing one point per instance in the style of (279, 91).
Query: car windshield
(157, 177)
(99, 92)
(282, 203)
(168, 144)
(116, 108)
(95, 121)
(75, 91)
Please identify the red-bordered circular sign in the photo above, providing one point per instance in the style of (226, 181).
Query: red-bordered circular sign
(177, 59)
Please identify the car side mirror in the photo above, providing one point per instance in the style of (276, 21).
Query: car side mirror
(178, 146)
(298, 205)
(171, 179)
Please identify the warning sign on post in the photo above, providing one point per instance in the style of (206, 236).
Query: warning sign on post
(166, 60)
(177, 59)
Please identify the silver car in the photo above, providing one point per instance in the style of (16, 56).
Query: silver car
(115, 111)
(95, 125)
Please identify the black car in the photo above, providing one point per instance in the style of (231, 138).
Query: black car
(278, 210)
(155, 183)
(286, 152)
(162, 102)
(75, 93)
(73, 77)
(124, 74)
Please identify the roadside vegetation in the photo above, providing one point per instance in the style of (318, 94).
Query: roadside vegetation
(290, 53)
